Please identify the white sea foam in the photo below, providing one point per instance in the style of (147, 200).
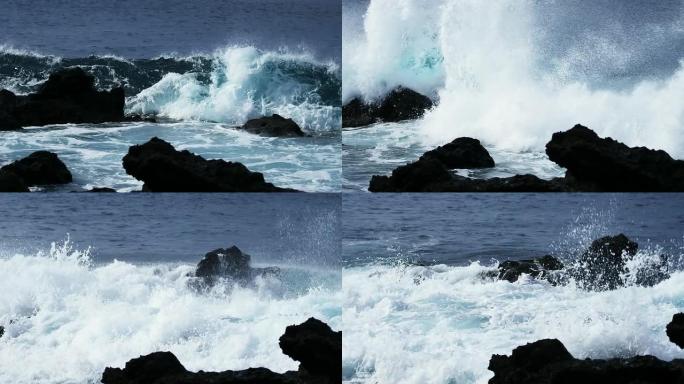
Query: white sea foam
(493, 79)
(441, 324)
(66, 319)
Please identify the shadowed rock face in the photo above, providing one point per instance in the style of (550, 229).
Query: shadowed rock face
(164, 169)
(275, 125)
(9, 182)
(511, 270)
(313, 343)
(39, 168)
(675, 330)
(230, 263)
(68, 96)
(316, 347)
(398, 105)
(549, 362)
(608, 165)
(462, 153)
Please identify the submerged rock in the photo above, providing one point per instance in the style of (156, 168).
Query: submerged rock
(549, 362)
(9, 182)
(275, 125)
(597, 164)
(316, 347)
(398, 105)
(511, 270)
(230, 263)
(302, 342)
(164, 169)
(68, 96)
(675, 330)
(40, 168)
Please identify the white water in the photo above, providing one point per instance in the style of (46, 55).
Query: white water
(493, 78)
(71, 319)
(441, 324)
(244, 83)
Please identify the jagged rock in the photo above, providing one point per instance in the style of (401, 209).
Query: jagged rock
(68, 96)
(511, 270)
(2, 330)
(603, 263)
(302, 341)
(675, 330)
(597, 164)
(462, 153)
(400, 104)
(40, 168)
(549, 362)
(9, 182)
(316, 347)
(275, 125)
(230, 263)
(164, 169)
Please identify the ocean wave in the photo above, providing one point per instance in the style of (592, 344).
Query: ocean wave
(68, 317)
(502, 74)
(441, 324)
(229, 85)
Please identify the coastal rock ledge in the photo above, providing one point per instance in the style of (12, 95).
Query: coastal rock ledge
(317, 347)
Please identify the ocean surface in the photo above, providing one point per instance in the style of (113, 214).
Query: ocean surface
(418, 310)
(511, 73)
(202, 67)
(91, 281)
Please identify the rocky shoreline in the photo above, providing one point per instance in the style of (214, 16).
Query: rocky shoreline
(592, 164)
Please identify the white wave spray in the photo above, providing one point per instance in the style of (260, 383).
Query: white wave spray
(67, 319)
(496, 81)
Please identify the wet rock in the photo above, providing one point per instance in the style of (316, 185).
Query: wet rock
(548, 361)
(9, 182)
(398, 105)
(230, 263)
(597, 164)
(301, 340)
(430, 175)
(2, 330)
(603, 263)
(164, 169)
(68, 96)
(275, 126)
(541, 268)
(316, 347)
(462, 153)
(675, 330)
(102, 189)
(40, 168)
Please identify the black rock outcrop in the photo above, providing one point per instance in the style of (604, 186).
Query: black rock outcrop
(316, 347)
(68, 96)
(230, 263)
(675, 330)
(164, 169)
(541, 268)
(398, 105)
(275, 125)
(38, 168)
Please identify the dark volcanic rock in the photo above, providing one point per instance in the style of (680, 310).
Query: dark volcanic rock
(102, 189)
(68, 96)
(9, 182)
(430, 175)
(230, 263)
(597, 164)
(511, 270)
(40, 168)
(400, 104)
(275, 125)
(603, 263)
(2, 330)
(462, 153)
(675, 330)
(164, 169)
(549, 362)
(313, 343)
(316, 347)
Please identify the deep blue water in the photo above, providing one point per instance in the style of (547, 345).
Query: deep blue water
(458, 228)
(299, 229)
(148, 28)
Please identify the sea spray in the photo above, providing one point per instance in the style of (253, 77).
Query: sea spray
(66, 319)
(513, 72)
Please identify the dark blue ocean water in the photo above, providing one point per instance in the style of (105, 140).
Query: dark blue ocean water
(458, 228)
(148, 28)
(299, 229)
